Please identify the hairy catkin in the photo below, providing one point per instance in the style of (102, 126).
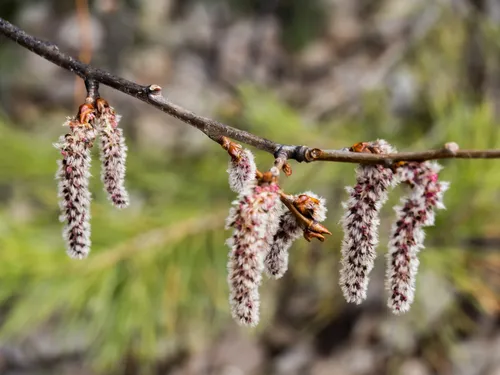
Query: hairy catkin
(407, 236)
(74, 196)
(254, 218)
(276, 262)
(241, 171)
(360, 223)
(113, 155)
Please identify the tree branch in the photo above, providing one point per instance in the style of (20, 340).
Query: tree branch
(152, 94)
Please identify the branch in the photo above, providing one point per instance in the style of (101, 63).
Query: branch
(152, 95)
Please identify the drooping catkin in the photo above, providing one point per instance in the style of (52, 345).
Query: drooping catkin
(254, 218)
(113, 154)
(73, 175)
(276, 262)
(360, 223)
(241, 170)
(407, 236)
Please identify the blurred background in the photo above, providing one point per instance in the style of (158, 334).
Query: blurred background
(152, 298)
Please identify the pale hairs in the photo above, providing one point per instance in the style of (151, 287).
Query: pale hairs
(74, 170)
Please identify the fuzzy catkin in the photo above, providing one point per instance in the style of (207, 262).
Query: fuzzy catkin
(241, 171)
(360, 223)
(254, 218)
(407, 236)
(276, 262)
(74, 196)
(113, 155)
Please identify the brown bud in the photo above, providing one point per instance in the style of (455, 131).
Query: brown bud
(266, 177)
(318, 228)
(306, 204)
(86, 113)
(365, 147)
(397, 165)
(232, 148)
(315, 230)
(101, 105)
(313, 154)
(287, 169)
(308, 235)
(359, 147)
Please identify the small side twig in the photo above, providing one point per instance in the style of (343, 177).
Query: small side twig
(281, 162)
(92, 87)
(312, 229)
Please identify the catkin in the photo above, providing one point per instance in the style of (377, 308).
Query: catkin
(254, 218)
(407, 236)
(113, 155)
(360, 223)
(74, 196)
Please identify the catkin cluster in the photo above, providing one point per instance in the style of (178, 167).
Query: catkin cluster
(74, 170)
(361, 220)
(263, 230)
(265, 223)
(264, 220)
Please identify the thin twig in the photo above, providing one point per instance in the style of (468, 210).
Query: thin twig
(92, 90)
(152, 94)
(312, 229)
(444, 153)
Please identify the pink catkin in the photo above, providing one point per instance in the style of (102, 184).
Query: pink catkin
(360, 223)
(73, 175)
(254, 218)
(407, 235)
(242, 171)
(113, 153)
(276, 262)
